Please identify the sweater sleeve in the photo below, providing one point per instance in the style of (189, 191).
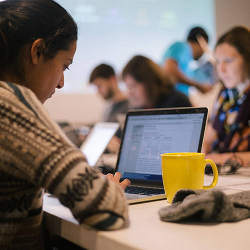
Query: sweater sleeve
(35, 152)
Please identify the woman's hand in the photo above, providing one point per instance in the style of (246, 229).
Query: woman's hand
(116, 178)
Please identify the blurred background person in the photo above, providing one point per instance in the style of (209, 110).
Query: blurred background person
(178, 62)
(228, 133)
(104, 78)
(148, 87)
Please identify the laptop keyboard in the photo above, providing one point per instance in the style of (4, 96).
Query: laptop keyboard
(144, 190)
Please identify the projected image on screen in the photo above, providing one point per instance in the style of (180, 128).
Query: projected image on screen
(113, 31)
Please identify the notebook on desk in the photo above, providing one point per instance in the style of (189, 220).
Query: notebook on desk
(149, 133)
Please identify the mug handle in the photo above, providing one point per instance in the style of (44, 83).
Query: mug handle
(215, 174)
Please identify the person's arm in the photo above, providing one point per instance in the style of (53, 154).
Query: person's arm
(209, 138)
(241, 157)
(40, 156)
(114, 145)
(172, 70)
(220, 158)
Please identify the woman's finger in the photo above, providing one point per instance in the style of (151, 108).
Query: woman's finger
(125, 183)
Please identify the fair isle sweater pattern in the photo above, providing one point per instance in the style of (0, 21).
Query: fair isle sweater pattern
(36, 155)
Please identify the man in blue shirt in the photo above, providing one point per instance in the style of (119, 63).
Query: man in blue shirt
(179, 57)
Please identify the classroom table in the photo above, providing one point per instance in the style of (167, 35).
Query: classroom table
(146, 231)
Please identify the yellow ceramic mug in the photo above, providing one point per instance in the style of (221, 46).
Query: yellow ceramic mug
(185, 171)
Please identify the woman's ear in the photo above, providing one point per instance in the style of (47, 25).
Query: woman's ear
(36, 50)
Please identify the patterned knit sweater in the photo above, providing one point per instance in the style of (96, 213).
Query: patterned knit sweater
(35, 155)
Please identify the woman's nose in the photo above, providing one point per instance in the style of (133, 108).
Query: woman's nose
(222, 67)
(61, 83)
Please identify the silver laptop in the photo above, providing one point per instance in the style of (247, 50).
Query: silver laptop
(97, 141)
(149, 133)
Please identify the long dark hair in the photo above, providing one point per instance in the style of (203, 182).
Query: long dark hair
(239, 38)
(149, 74)
(24, 21)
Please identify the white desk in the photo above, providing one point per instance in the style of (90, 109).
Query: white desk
(147, 231)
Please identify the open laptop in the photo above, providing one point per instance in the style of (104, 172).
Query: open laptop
(149, 133)
(97, 141)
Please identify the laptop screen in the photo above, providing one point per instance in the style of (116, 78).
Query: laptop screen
(147, 135)
(97, 141)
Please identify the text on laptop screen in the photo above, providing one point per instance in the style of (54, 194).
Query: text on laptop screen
(148, 136)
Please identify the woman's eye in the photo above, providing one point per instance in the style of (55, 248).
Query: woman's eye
(228, 60)
(66, 67)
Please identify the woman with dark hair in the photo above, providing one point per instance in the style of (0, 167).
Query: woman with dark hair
(37, 43)
(148, 87)
(229, 133)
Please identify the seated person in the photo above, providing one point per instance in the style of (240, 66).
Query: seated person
(148, 87)
(104, 78)
(179, 57)
(228, 133)
(35, 155)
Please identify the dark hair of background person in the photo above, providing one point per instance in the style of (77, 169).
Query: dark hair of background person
(101, 71)
(239, 38)
(150, 74)
(24, 21)
(196, 32)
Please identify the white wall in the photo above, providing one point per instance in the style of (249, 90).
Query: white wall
(83, 108)
(87, 108)
(229, 13)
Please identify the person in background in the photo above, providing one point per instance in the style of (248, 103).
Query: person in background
(37, 44)
(104, 78)
(228, 133)
(178, 60)
(148, 87)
